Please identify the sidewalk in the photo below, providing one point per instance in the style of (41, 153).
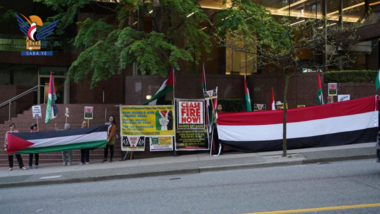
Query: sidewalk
(184, 164)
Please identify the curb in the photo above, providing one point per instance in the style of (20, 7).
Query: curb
(99, 178)
(249, 166)
(337, 159)
(186, 171)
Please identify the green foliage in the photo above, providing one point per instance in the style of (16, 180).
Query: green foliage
(356, 76)
(110, 42)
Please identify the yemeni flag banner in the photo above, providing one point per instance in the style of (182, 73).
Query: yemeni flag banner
(165, 88)
(247, 101)
(319, 92)
(39, 142)
(341, 123)
(51, 108)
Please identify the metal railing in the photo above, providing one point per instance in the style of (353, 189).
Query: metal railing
(9, 102)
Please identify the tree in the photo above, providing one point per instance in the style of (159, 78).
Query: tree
(249, 28)
(111, 40)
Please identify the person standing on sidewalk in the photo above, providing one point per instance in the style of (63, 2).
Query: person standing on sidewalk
(218, 148)
(111, 138)
(69, 152)
(12, 129)
(84, 153)
(33, 129)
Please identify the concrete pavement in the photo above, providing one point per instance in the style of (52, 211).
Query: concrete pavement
(184, 164)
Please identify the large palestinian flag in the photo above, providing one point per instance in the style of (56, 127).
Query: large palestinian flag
(348, 122)
(39, 142)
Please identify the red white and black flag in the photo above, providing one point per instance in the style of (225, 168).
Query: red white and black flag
(349, 122)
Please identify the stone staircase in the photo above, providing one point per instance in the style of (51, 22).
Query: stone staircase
(24, 121)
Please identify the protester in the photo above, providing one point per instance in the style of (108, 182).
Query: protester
(111, 138)
(330, 99)
(84, 153)
(33, 129)
(68, 152)
(217, 150)
(278, 105)
(12, 129)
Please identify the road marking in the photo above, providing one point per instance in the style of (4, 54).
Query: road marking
(320, 209)
(51, 177)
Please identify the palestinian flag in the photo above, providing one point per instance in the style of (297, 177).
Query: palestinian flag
(164, 120)
(272, 106)
(247, 98)
(341, 123)
(51, 108)
(39, 142)
(378, 81)
(319, 92)
(165, 88)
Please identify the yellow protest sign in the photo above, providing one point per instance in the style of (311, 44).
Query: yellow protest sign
(147, 120)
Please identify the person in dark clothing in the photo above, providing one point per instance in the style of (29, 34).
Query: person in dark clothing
(12, 129)
(218, 148)
(33, 129)
(84, 153)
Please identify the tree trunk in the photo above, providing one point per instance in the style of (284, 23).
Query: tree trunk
(284, 143)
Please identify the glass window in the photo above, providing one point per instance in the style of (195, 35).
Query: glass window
(353, 10)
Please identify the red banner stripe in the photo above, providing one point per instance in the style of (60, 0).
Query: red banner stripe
(338, 109)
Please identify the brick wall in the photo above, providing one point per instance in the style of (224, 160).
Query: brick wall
(302, 88)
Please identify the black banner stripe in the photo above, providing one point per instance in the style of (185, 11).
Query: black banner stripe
(337, 139)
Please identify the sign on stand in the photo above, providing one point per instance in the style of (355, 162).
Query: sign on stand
(36, 112)
(333, 89)
(191, 132)
(88, 112)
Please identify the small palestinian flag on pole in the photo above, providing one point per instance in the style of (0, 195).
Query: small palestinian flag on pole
(272, 106)
(247, 97)
(165, 88)
(39, 142)
(378, 81)
(51, 108)
(319, 92)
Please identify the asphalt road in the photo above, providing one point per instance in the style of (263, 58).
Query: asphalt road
(349, 183)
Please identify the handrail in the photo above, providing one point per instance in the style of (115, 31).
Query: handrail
(9, 102)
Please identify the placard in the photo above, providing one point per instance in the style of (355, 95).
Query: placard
(191, 132)
(333, 89)
(36, 111)
(343, 97)
(211, 94)
(88, 112)
(190, 114)
(259, 107)
(191, 139)
(133, 143)
(147, 120)
(164, 143)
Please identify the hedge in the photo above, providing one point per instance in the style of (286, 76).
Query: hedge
(368, 76)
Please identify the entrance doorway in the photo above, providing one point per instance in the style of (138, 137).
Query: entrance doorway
(59, 84)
